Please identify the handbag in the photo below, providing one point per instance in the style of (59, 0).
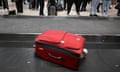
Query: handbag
(117, 6)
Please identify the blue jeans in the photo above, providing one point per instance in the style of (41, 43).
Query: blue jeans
(106, 5)
(30, 4)
(94, 5)
(36, 4)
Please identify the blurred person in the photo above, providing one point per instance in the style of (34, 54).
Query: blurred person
(19, 6)
(105, 7)
(93, 8)
(4, 4)
(84, 5)
(118, 7)
(41, 3)
(77, 5)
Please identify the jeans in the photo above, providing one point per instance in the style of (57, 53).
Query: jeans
(84, 4)
(106, 5)
(94, 5)
(37, 4)
(30, 4)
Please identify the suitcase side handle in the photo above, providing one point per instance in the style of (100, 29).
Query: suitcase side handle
(55, 57)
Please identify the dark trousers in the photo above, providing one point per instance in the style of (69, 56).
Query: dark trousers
(65, 3)
(0, 2)
(41, 3)
(84, 4)
(4, 3)
(118, 13)
(70, 3)
(19, 6)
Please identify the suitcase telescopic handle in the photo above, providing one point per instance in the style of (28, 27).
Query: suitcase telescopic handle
(55, 57)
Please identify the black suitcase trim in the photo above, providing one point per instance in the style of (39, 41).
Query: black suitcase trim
(56, 48)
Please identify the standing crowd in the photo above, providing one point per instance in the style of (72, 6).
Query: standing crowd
(80, 5)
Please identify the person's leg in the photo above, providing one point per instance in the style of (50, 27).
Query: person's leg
(84, 4)
(92, 7)
(77, 4)
(95, 7)
(0, 3)
(98, 7)
(30, 4)
(5, 4)
(17, 5)
(118, 13)
(69, 5)
(37, 4)
(103, 7)
(41, 7)
(65, 3)
(21, 6)
(107, 6)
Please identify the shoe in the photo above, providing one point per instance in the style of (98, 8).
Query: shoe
(91, 15)
(95, 15)
(6, 11)
(118, 14)
(84, 9)
(42, 15)
(98, 10)
(68, 14)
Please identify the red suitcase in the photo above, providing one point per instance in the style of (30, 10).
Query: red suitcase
(60, 47)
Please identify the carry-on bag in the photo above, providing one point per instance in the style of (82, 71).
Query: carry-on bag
(60, 47)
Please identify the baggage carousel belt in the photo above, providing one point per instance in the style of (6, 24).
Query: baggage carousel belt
(17, 55)
(79, 25)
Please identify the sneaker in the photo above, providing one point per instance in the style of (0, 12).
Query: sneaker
(6, 11)
(91, 14)
(95, 15)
